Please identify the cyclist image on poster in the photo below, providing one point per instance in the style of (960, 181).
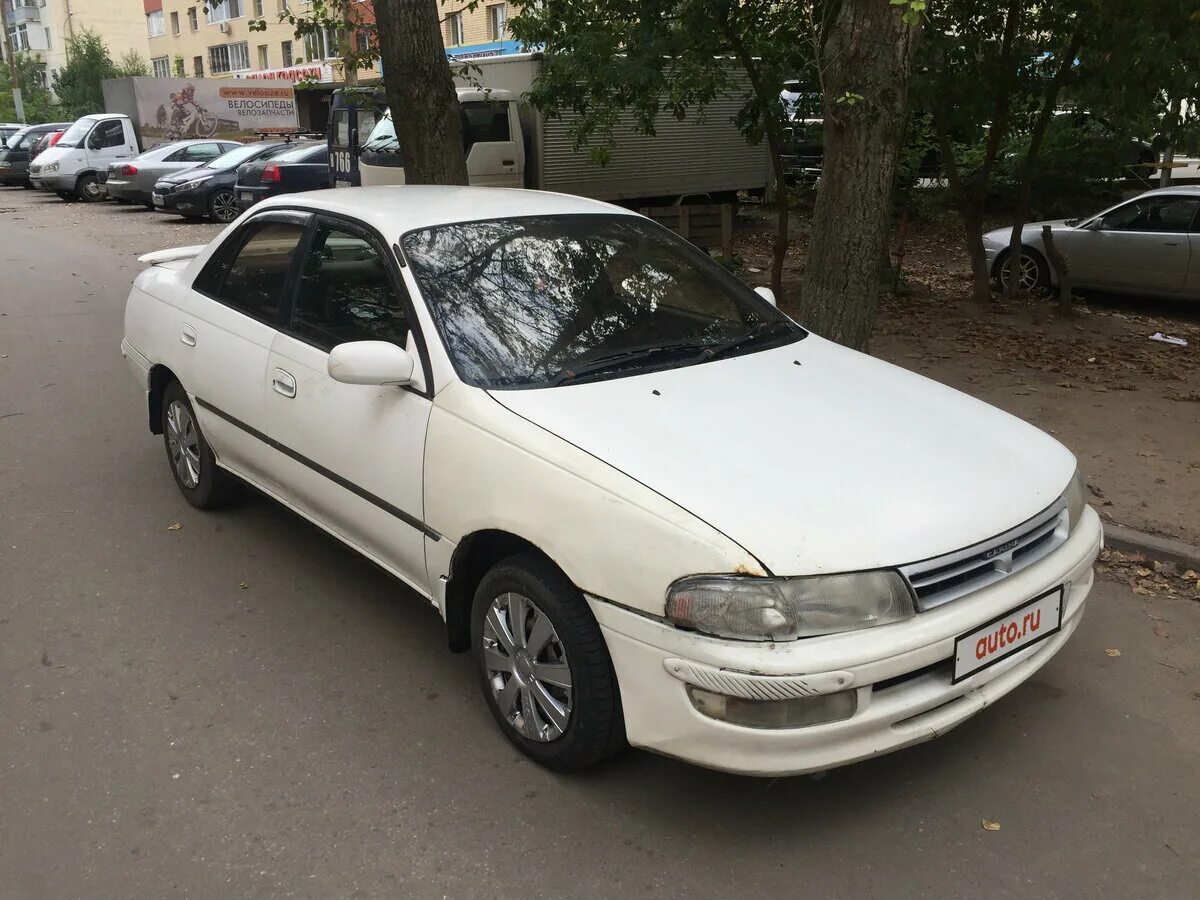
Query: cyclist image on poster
(186, 118)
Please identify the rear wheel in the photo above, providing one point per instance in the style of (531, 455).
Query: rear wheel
(193, 466)
(88, 189)
(222, 206)
(543, 665)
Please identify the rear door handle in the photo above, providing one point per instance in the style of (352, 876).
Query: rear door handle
(1170, 243)
(188, 335)
(508, 162)
(283, 383)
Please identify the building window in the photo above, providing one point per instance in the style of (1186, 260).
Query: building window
(19, 36)
(362, 42)
(498, 22)
(262, 57)
(286, 48)
(174, 23)
(222, 11)
(283, 6)
(229, 58)
(193, 23)
(454, 29)
(258, 9)
(154, 23)
(321, 44)
(39, 74)
(198, 66)
(161, 66)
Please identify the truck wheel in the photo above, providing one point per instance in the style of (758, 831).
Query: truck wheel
(88, 189)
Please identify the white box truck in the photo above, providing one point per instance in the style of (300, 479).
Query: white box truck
(509, 144)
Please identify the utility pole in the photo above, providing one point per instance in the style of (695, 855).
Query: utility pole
(14, 75)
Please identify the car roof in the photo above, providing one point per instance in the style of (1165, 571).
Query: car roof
(1178, 189)
(395, 209)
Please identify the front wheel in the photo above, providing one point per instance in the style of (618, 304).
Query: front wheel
(222, 206)
(544, 667)
(1035, 274)
(88, 189)
(193, 466)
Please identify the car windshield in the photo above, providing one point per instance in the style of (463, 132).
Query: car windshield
(538, 301)
(234, 158)
(74, 135)
(383, 135)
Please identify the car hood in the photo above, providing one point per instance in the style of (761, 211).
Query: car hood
(186, 175)
(54, 154)
(812, 457)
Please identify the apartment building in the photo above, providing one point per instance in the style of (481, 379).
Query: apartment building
(482, 31)
(43, 26)
(193, 41)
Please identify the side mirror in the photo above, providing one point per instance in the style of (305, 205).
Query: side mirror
(767, 294)
(370, 362)
(1070, 223)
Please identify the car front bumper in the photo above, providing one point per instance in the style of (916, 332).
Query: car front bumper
(186, 203)
(14, 173)
(55, 181)
(654, 662)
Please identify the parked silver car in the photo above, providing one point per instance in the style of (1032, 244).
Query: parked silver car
(132, 180)
(1144, 245)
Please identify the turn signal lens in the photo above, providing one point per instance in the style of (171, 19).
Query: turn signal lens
(795, 713)
(128, 170)
(1076, 497)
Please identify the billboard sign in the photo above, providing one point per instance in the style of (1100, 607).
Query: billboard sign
(180, 108)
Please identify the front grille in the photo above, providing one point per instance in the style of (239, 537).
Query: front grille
(945, 578)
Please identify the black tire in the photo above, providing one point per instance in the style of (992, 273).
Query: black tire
(28, 185)
(149, 206)
(596, 727)
(214, 487)
(1041, 281)
(88, 189)
(66, 195)
(222, 206)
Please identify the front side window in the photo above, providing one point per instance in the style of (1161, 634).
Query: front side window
(107, 134)
(1160, 214)
(200, 152)
(346, 294)
(543, 300)
(255, 280)
(483, 122)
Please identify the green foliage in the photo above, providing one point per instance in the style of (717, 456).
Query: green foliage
(78, 83)
(35, 98)
(131, 65)
(178, 66)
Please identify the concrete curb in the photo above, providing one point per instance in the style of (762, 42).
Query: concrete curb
(1152, 546)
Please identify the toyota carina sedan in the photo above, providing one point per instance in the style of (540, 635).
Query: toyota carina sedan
(652, 507)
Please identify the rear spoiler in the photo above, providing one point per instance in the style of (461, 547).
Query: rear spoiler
(176, 253)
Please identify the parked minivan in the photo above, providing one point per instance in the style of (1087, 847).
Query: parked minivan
(73, 167)
(15, 155)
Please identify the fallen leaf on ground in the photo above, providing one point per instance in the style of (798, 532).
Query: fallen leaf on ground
(1112, 651)
(1161, 631)
(174, 527)
(991, 825)
(243, 586)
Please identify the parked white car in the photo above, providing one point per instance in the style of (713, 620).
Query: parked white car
(651, 506)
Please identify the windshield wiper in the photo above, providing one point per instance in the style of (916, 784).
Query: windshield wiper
(753, 336)
(619, 359)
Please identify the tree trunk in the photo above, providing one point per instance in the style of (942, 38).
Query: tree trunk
(970, 213)
(1029, 164)
(868, 53)
(1168, 157)
(1060, 266)
(421, 92)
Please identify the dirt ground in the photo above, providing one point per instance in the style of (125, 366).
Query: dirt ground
(1128, 407)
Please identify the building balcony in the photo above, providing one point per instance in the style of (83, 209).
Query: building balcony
(23, 13)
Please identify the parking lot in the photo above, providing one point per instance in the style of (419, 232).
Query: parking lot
(232, 704)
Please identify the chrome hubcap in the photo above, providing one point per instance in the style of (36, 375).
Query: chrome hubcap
(224, 207)
(1029, 273)
(527, 668)
(183, 444)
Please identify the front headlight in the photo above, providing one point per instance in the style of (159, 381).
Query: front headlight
(1076, 497)
(782, 609)
(191, 185)
(51, 167)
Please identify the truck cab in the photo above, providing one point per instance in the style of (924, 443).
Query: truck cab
(493, 142)
(74, 168)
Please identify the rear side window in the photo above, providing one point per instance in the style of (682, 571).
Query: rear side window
(254, 278)
(197, 153)
(484, 123)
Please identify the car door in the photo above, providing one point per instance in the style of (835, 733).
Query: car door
(1142, 245)
(492, 154)
(231, 317)
(352, 456)
(108, 141)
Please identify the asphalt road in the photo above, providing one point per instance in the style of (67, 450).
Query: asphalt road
(242, 708)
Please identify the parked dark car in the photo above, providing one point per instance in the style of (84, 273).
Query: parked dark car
(208, 190)
(132, 180)
(16, 152)
(304, 168)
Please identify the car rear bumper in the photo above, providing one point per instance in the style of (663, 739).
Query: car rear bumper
(248, 196)
(14, 173)
(913, 660)
(123, 190)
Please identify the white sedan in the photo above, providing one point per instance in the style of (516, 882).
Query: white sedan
(653, 508)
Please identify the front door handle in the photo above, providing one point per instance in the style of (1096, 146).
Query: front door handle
(283, 383)
(508, 162)
(1170, 243)
(188, 335)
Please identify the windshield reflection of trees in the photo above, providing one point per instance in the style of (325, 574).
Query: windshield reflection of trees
(517, 300)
